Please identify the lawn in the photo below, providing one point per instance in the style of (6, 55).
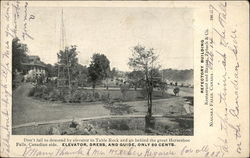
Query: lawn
(28, 109)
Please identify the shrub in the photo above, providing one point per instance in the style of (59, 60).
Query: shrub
(46, 96)
(66, 98)
(32, 92)
(76, 97)
(96, 95)
(176, 91)
(64, 95)
(83, 96)
(54, 95)
(105, 97)
(124, 89)
(90, 97)
(37, 91)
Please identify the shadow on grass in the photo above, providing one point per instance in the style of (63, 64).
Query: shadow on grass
(119, 108)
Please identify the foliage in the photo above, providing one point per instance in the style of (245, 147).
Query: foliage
(80, 96)
(136, 78)
(51, 70)
(113, 73)
(38, 91)
(54, 95)
(145, 60)
(105, 97)
(76, 97)
(155, 77)
(176, 91)
(50, 92)
(124, 89)
(82, 75)
(98, 69)
(18, 54)
(68, 58)
(40, 79)
(142, 59)
(163, 87)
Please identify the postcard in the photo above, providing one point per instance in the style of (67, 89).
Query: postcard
(124, 78)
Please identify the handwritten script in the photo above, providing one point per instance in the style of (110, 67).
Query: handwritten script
(5, 84)
(225, 46)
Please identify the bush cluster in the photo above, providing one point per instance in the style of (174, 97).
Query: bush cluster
(51, 93)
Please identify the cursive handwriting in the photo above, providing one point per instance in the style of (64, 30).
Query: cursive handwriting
(227, 49)
(205, 151)
(90, 151)
(26, 20)
(16, 12)
(5, 86)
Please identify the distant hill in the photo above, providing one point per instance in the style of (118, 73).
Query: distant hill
(184, 76)
(170, 75)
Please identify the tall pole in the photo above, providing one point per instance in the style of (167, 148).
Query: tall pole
(63, 34)
(162, 75)
(66, 51)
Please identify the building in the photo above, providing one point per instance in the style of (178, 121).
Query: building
(33, 68)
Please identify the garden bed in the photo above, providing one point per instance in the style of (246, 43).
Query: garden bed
(49, 92)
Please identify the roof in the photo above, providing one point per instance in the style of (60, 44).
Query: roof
(35, 63)
(32, 57)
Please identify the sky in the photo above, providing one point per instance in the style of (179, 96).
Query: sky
(113, 32)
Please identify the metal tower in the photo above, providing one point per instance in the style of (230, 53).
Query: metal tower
(63, 78)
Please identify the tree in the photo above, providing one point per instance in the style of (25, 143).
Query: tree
(98, 69)
(19, 55)
(51, 70)
(156, 77)
(113, 73)
(69, 62)
(163, 87)
(145, 60)
(82, 75)
(136, 78)
(124, 89)
(176, 91)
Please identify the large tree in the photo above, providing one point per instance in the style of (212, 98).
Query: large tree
(19, 55)
(145, 60)
(98, 69)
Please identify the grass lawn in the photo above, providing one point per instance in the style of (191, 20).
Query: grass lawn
(26, 109)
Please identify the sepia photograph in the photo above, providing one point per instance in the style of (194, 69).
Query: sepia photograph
(124, 79)
(103, 71)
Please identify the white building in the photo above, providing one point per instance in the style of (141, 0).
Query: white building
(34, 68)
